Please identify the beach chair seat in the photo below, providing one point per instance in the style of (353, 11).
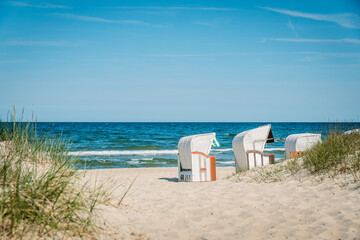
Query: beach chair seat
(248, 148)
(256, 158)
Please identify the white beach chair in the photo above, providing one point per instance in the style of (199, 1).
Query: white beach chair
(352, 131)
(295, 144)
(248, 148)
(194, 164)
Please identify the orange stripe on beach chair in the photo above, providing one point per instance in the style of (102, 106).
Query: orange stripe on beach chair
(295, 154)
(212, 165)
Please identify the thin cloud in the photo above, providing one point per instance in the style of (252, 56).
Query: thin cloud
(104, 20)
(180, 8)
(311, 55)
(184, 55)
(310, 40)
(347, 20)
(85, 18)
(37, 43)
(262, 41)
(197, 54)
(318, 56)
(42, 5)
(291, 26)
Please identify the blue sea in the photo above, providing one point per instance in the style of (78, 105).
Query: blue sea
(137, 145)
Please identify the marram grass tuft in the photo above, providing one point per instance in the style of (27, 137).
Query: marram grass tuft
(338, 153)
(41, 193)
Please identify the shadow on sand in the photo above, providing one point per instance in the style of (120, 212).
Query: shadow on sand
(170, 179)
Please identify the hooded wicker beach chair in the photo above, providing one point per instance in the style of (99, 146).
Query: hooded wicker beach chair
(295, 144)
(194, 164)
(352, 131)
(248, 148)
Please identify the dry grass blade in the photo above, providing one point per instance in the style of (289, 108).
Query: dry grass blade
(126, 192)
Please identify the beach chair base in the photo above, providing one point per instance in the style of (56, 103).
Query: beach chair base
(185, 176)
(203, 169)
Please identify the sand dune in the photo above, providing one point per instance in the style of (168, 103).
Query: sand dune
(159, 207)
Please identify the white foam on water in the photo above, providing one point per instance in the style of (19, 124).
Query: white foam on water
(227, 162)
(149, 152)
(280, 139)
(134, 161)
(124, 153)
(141, 159)
(221, 150)
(274, 149)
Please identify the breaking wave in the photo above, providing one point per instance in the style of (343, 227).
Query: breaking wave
(221, 150)
(124, 153)
(274, 150)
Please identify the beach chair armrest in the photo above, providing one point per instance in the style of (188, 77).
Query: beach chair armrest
(270, 156)
(261, 153)
(201, 153)
(210, 165)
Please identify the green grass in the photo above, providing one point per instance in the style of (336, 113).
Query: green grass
(41, 193)
(339, 153)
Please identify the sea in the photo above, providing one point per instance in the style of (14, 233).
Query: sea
(143, 144)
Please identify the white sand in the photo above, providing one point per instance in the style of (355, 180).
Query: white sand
(159, 207)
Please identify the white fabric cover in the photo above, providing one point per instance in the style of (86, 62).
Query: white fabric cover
(300, 142)
(195, 143)
(353, 131)
(253, 139)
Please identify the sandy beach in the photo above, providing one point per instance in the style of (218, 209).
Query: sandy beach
(159, 207)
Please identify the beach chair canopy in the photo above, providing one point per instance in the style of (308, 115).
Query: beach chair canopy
(300, 142)
(195, 143)
(353, 131)
(253, 139)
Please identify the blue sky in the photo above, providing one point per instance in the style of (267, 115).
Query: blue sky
(181, 60)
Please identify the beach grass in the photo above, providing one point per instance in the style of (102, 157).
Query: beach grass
(338, 153)
(41, 192)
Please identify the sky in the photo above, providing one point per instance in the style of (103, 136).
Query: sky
(180, 61)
